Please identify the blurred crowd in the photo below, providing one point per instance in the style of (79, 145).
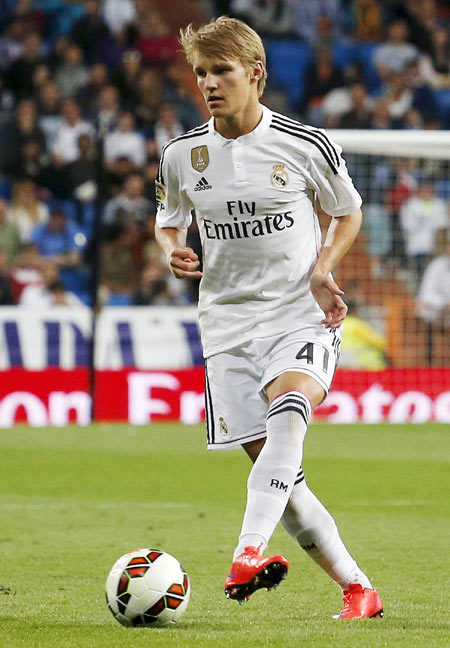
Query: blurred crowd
(75, 73)
(72, 75)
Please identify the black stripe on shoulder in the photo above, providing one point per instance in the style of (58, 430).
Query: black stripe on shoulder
(307, 138)
(310, 130)
(195, 132)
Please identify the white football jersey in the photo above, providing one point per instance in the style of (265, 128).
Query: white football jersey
(253, 199)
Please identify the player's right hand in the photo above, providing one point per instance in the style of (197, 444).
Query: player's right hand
(183, 263)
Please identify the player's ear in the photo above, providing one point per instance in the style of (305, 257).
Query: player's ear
(257, 71)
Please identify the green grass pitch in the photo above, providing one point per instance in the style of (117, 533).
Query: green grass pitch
(73, 500)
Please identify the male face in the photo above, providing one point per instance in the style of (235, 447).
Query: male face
(226, 85)
(134, 186)
(56, 221)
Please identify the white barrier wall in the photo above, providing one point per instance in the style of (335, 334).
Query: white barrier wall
(140, 337)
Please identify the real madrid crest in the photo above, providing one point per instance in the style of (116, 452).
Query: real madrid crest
(223, 427)
(200, 157)
(279, 177)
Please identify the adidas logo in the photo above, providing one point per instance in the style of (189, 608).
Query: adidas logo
(202, 185)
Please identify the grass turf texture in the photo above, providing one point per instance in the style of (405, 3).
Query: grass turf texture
(73, 500)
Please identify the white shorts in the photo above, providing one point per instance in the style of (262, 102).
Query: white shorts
(236, 403)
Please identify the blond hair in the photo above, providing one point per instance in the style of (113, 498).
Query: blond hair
(225, 38)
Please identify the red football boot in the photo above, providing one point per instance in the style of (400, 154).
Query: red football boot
(251, 571)
(360, 603)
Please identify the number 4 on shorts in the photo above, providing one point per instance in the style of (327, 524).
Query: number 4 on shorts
(307, 353)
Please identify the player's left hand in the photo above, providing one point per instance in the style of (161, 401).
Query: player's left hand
(329, 297)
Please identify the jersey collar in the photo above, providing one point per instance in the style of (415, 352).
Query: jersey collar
(255, 134)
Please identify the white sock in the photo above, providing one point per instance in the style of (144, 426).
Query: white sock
(308, 522)
(273, 474)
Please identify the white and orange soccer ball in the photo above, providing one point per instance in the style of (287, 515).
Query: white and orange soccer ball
(147, 587)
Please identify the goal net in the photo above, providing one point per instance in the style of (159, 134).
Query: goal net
(396, 277)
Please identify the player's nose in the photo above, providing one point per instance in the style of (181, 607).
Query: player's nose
(211, 81)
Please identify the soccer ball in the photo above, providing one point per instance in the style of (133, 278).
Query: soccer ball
(147, 587)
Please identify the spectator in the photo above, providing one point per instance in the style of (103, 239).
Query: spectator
(360, 114)
(20, 73)
(117, 175)
(307, 17)
(363, 347)
(34, 164)
(25, 210)
(403, 186)
(41, 74)
(381, 115)
(6, 293)
(27, 269)
(90, 32)
(270, 18)
(399, 98)
(9, 235)
(157, 44)
(413, 120)
(71, 74)
(339, 101)
(118, 14)
(50, 291)
(125, 141)
(98, 79)
(421, 18)
(79, 175)
(367, 16)
(6, 103)
(154, 288)
(396, 53)
(150, 173)
(11, 43)
(423, 99)
(49, 106)
(126, 79)
(167, 126)
(421, 217)
(119, 268)
(60, 241)
(433, 297)
(180, 96)
(440, 54)
(107, 109)
(65, 146)
(321, 77)
(130, 205)
(151, 96)
(21, 129)
(60, 16)
(378, 225)
(33, 19)
(433, 303)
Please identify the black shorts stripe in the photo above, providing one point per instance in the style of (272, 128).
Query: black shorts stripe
(209, 410)
(299, 480)
(289, 408)
(310, 130)
(195, 132)
(307, 138)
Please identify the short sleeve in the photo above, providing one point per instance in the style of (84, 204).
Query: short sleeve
(329, 178)
(173, 208)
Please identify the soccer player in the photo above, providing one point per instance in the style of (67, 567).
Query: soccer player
(270, 313)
